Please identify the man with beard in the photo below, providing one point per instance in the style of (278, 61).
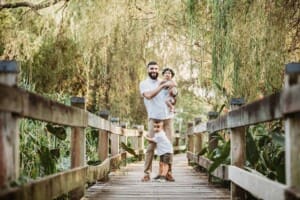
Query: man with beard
(154, 99)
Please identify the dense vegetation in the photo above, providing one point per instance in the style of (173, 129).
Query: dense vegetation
(99, 49)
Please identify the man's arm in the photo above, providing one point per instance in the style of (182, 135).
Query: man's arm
(153, 93)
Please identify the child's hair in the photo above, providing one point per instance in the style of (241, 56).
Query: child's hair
(170, 70)
(157, 121)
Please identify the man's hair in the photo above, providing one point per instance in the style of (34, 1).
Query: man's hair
(168, 69)
(152, 63)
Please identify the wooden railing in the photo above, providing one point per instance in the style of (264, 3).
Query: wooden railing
(284, 105)
(16, 103)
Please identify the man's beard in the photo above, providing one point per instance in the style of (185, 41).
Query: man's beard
(153, 75)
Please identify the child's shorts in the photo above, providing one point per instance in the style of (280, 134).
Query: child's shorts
(166, 158)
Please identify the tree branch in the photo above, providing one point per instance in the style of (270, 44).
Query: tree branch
(30, 5)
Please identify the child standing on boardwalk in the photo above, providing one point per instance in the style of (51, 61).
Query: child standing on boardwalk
(164, 149)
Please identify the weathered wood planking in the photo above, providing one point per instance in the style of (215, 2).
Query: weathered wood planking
(9, 137)
(34, 106)
(53, 186)
(48, 187)
(30, 105)
(291, 98)
(98, 172)
(217, 124)
(200, 128)
(261, 186)
(179, 148)
(220, 172)
(131, 132)
(98, 122)
(269, 108)
(126, 184)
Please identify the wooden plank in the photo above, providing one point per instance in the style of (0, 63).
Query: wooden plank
(98, 122)
(49, 187)
(78, 147)
(189, 155)
(190, 130)
(217, 124)
(34, 106)
(103, 144)
(290, 99)
(263, 110)
(204, 162)
(200, 128)
(131, 132)
(259, 186)
(115, 161)
(292, 126)
(221, 172)
(99, 172)
(266, 109)
(179, 148)
(115, 144)
(117, 130)
(126, 184)
(237, 151)
(9, 137)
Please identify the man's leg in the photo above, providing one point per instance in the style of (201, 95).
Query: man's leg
(168, 128)
(149, 153)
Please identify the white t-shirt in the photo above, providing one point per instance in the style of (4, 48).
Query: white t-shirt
(156, 107)
(163, 144)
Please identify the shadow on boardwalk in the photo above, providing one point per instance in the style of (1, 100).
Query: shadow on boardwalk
(126, 184)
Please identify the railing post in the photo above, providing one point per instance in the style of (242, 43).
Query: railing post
(123, 138)
(141, 143)
(197, 138)
(103, 140)
(212, 141)
(292, 134)
(190, 139)
(77, 147)
(237, 149)
(115, 144)
(9, 137)
(176, 142)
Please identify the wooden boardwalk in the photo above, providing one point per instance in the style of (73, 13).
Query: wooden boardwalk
(126, 184)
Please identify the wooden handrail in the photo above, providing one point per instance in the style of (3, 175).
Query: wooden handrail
(283, 105)
(17, 103)
(24, 104)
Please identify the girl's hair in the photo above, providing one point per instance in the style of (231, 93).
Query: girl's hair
(170, 70)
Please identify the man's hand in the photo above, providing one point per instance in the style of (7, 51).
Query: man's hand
(169, 84)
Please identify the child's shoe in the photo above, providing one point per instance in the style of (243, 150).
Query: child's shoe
(162, 179)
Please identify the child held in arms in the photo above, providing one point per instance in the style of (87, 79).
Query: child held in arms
(168, 75)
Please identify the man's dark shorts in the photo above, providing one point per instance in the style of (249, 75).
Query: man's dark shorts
(166, 158)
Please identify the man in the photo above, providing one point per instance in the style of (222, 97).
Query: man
(155, 96)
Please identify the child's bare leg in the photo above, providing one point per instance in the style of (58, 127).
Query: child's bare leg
(160, 168)
(170, 105)
(165, 169)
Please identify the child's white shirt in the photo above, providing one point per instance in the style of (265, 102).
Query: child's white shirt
(163, 144)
